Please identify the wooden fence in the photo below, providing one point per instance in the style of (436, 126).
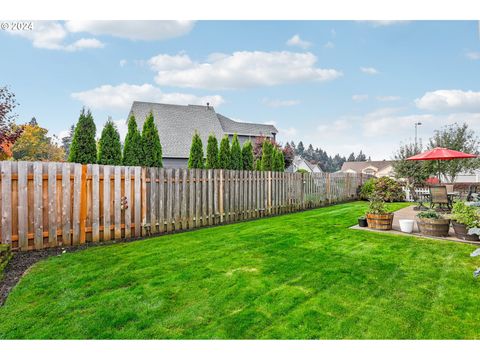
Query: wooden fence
(47, 204)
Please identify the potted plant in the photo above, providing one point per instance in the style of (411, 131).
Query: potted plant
(378, 216)
(464, 218)
(432, 223)
(362, 221)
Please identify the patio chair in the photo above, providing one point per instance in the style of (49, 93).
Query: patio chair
(417, 198)
(473, 194)
(439, 196)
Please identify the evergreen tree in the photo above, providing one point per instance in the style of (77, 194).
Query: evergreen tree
(67, 141)
(361, 156)
(247, 155)
(258, 165)
(281, 161)
(276, 160)
(267, 155)
(351, 157)
(224, 161)
(83, 149)
(109, 146)
(132, 149)
(151, 154)
(300, 149)
(212, 153)
(236, 154)
(195, 161)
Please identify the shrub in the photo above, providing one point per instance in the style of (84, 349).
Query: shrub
(109, 146)
(224, 155)
(212, 153)
(84, 147)
(429, 214)
(302, 171)
(278, 161)
(151, 147)
(466, 215)
(387, 188)
(195, 161)
(132, 149)
(247, 155)
(267, 155)
(236, 154)
(377, 205)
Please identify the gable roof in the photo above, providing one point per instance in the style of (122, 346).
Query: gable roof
(358, 166)
(177, 124)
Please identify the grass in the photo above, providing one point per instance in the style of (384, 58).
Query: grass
(299, 276)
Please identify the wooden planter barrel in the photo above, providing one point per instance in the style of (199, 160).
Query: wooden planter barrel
(461, 232)
(433, 227)
(380, 222)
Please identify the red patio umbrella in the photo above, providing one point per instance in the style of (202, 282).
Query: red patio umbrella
(439, 153)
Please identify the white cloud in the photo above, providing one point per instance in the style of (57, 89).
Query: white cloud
(369, 70)
(473, 55)
(329, 45)
(275, 103)
(241, 69)
(123, 62)
(169, 62)
(450, 100)
(333, 128)
(380, 23)
(133, 29)
(359, 97)
(120, 97)
(295, 40)
(388, 98)
(52, 35)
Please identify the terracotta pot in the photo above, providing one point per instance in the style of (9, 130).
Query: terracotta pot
(433, 227)
(461, 232)
(380, 222)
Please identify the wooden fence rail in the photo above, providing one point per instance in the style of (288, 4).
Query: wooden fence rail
(48, 204)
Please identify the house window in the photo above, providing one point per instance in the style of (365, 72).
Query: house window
(369, 171)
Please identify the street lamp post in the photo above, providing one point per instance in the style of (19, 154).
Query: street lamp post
(417, 124)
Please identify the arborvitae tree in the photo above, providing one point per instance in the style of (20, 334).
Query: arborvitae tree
(132, 149)
(195, 161)
(236, 154)
(83, 149)
(224, 155)
(109, 146)
(278, 160)
(151, 147)
(212, 153)
(258, 165)
(267, 155)
(247, 155)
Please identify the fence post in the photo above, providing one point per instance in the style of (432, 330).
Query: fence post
(269, 192)
(328, 188)
(302, 190)
(220, 195)
(83, 205)
(144, 197)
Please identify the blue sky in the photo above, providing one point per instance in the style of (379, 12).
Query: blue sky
(340, 85)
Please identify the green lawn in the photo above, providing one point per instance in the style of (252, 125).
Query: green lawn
(299, 276)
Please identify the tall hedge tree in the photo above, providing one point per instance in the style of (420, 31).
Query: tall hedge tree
(151, 148)
(236, 154)
(83, 149)
(267, 155)
(132, 149)
(224, 161)
(195, 161)
(247, 155)
(278, 162)
(109, 146)
(212, 153)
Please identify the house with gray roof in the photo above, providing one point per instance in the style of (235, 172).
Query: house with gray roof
(177, 124)
(376, 168)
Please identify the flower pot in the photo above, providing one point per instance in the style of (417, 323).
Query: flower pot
(433, 227)
(380, 222)
(406, 225)
(461, 232)
(362, 222)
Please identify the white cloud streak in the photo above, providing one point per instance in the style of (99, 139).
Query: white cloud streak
(359, 97)
(241, 69)
(369, 70)
(120, 97)
(450, 100)
(275, 103)
(295, 40)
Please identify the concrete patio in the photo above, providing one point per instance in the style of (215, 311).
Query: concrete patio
(410, 213)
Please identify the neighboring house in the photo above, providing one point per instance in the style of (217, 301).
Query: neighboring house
(177, 124)
(376, 168)
(466, 177)
(300, 163)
